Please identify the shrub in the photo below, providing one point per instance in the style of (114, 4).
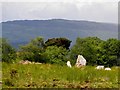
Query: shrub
(32, 51)
(56, 55)
(8, 52)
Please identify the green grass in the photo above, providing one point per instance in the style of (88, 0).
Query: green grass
(56, 76)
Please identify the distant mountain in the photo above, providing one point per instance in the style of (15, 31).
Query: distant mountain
(20, 32)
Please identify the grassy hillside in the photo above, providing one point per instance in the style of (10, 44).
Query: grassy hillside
(55, 76)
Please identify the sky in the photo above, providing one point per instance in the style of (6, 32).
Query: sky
(90, 10)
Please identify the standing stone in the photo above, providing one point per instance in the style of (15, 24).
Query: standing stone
(69, 64)
(81, 61)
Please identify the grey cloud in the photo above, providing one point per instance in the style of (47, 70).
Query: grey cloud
(100, 12)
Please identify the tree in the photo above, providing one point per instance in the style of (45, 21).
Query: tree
(96, 51)
(87, 47)
(111, 51)
(65, 43)
(8, 52)
(38, 41)
(56, 55)
(33, 50)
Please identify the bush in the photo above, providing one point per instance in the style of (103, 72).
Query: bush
(8, 52)
(32, 51)
(56, 55)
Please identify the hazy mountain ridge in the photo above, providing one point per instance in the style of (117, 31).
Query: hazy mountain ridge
(21, 31)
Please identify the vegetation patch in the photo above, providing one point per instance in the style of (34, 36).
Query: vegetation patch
(57, 76)
(50, 70)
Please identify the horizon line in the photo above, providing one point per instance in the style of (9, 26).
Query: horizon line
(57, 19)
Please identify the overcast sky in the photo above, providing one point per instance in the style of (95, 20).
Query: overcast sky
(91, 10)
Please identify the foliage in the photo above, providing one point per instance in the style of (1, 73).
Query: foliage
(56, 50)
(58, 42)
(111, 51)
(56, 55)
(96, 51)
(8, 52)
(33, 50)
(86, 47)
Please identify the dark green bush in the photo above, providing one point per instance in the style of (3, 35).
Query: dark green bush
(8, 52)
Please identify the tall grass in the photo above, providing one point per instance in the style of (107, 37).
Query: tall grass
(49, 76)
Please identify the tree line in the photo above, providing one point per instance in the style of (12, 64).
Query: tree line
(58, 51)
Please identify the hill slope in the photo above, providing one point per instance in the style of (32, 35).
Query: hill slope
(21, 31)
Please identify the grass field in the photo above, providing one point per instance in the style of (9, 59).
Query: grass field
(56, 76)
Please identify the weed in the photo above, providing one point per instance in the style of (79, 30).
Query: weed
(13, 73)
(8, 82)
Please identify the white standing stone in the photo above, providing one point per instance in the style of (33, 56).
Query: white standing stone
(69, 64)
(81, 61)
